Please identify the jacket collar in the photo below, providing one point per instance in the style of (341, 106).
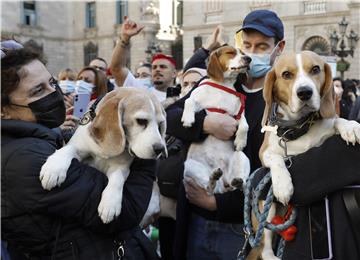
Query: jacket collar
(23, 129)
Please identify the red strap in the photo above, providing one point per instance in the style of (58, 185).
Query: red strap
(228, 90)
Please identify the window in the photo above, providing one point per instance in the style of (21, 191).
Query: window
(90, 53)
(90, 15)
(29, 13)
(121, 10)
(318, 45)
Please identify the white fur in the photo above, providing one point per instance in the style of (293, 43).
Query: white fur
(273, 155)
(204, 158)
(82, 146)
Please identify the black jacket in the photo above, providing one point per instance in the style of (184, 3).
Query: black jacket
(32, 218)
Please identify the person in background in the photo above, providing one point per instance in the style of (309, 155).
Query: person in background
(143, 71)
(348, 98)
(101, 65)
(163, 70)
(337, 82)
(62, 223)
(189, 79)
(143, 75)
(90, 80)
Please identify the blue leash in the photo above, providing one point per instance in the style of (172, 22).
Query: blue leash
(252, 203)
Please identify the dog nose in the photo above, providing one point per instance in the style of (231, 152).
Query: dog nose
(304, 93)
(246, 59)
(158, 149)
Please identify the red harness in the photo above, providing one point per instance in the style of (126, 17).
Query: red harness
(242, 98)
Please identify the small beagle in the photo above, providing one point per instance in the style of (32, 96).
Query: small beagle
(299, 114)
(129, 122)
(215, 159)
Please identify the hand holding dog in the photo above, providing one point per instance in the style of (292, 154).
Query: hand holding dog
(199, 196)
(222, 126)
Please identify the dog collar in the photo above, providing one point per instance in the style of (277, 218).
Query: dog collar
(241, 96)
(292, 129)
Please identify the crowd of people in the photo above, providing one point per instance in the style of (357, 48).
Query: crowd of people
(37, 118)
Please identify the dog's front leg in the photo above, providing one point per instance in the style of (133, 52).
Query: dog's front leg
(241, 134)
(53, 172)
(188, 116)
(267, 251)
(349, 130)
(280, 176)
(111, 198)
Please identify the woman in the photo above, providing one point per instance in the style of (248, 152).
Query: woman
(91, 81)
(62, 223)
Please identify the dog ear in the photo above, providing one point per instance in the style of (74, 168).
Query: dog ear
(327, 101)
(214, 69)
(106, 129)
(268, 95)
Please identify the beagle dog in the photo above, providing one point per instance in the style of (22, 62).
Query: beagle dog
(129, 122)
(215, 159)
(299, 114)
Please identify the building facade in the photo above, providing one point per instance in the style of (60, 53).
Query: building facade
(71, 33)
(308, 24)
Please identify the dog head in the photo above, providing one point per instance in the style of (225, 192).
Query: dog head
(299, 84)
(226, 63)
(130, 118)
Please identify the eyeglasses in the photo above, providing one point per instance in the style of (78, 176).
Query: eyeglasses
(100, 68)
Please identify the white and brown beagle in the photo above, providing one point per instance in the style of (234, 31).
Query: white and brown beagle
(299, 114)
(129, 122)
(215, 159)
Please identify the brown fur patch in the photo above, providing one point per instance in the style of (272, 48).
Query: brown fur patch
(218, 62)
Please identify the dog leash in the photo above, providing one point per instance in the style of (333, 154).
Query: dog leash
(241, 96)
(91, 114)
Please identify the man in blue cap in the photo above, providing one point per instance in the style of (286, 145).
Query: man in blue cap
(210, 226)
(314, 173)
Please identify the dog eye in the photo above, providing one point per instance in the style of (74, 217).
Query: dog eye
(287, 75)
(230, 53)
(142, 122)
(315, 70)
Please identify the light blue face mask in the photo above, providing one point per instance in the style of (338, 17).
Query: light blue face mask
(146, 82)
(67, 86)
(260, 64)
(84, 87)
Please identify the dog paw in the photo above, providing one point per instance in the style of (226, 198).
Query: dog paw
(53, 172)
(269, 255)
(216, 174)
(237, 183)
(240, 143)
(187, 119)
(110, 205)
(283, 188)
(349, 131)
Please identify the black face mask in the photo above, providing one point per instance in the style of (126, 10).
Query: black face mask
(49, 110)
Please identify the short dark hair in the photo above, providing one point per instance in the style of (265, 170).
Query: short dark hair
(337, 78)
(11, 65)
(99, 58)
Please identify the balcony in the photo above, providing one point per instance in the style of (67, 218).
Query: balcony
(315, 7)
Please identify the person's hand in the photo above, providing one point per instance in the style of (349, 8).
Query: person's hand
(199, 196)
(69, 100)
(70, 120)
(129, 29)
(222, 126)
(215, 40)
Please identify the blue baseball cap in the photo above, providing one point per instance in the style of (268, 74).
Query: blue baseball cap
(265, 21)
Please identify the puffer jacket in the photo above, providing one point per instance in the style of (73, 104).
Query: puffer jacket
(63, 223)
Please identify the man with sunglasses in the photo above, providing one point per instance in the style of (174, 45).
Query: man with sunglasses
(320, 171)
